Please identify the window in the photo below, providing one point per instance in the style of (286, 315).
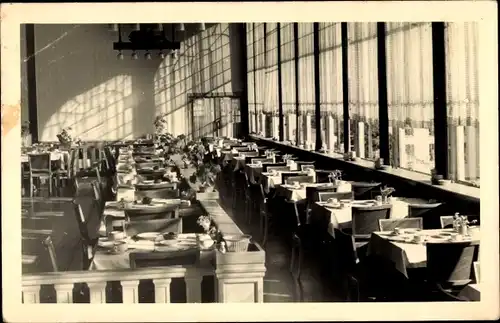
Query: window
(260, 77)
(410, 95)
(331, 107)
(288, 82)
(363, 89)
(251, 79)
(462, 101)
(271, 89)
(306, 128)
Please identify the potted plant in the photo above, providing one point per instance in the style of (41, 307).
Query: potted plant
(335, 177)
(386, 192)
(461, 224)
(25, 134)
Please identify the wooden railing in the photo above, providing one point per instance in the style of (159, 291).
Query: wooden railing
(96, 281)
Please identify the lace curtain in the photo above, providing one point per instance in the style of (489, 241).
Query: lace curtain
(250, 79)
(288, 81)
(306, 82)
(260, 69)
(331, 100)
(363, 88)
(410, 95)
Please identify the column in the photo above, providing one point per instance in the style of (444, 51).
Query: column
(471, 172)
(276, 127)
(401, 142)
(291, 128)
(360, 147)
(307, 130)
(460, 152)
(263, 124)
(330, 133)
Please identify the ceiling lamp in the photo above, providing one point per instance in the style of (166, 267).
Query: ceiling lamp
(147, 56)
(120, 55)
(135, 56)
(180, 27)
(114, 27)
(137, 27)
(201, 26)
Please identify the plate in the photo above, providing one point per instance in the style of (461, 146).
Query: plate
(148, 235)
(398, 238)
(172, 242)
(411, 230)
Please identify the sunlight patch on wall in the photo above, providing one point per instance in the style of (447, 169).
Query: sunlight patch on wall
(101, 113)
(202, 66)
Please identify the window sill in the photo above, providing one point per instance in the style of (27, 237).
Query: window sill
(461, 191)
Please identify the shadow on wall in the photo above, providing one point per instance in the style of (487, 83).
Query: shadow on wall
(203, 66)
(81, 83)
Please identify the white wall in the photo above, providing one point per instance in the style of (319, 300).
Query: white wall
(81, 84)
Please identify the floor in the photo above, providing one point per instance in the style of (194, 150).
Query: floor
(279, 286)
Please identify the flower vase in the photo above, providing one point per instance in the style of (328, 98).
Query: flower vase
(463, 230)
(385, 199)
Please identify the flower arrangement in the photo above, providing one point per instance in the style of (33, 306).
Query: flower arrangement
(386, 191)
(286, 157)
(160, 124)
(206, 175)
(25, 129)
(334, 176)
(209, 227)
(253, 146)
(461, 223)
(64, 136)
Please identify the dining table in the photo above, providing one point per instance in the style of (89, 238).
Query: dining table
(404, 252)
(340, 216)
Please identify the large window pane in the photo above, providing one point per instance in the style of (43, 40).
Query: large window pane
(288, 82)
(363, 89)
(252, 114)
(330, 69)
(306, 127)
(260, 79)
(410, 95)
(271, 94)
(462, 101)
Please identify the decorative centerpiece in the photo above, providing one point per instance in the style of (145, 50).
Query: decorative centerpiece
(461, 224)
(212, 235)
(386, 192)
(65, 138)
(335, 177)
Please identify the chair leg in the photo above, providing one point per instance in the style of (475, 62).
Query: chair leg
(31, 186)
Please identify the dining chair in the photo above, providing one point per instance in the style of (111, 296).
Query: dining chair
(307, 167)
(300, 179)
(449, 264)
(88, 243)
(286, 175)
(265, 216)
(162, 193)
(446, 221)
(322, 175)
(365, 219)
(349, 267)
(301, 235)
(429, 212)
(407, 223)
(363, 190)
(47, 242)
(325, 196)
(262, 160)
(40, 167)
(280, 166)
(277, 169)
(97, 200)
(301, 163)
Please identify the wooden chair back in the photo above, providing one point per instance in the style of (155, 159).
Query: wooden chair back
(406, 223)
(365, 218)
(363, 190)
(325, 196)
(300, 179)
(39, 163)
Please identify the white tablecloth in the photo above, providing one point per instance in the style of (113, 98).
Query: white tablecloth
(300, 194)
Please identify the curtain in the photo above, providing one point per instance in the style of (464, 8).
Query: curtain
(260, 69)
(363, 88)
(461, 43)
(271, 89)
(331, 106)
(288, 81)
(306, 83)
(410, 95)
(250, 79)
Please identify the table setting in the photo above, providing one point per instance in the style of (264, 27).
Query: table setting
(406, 247)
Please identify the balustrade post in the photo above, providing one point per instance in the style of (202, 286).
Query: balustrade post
(193, 286)
(360, 147)
(31, 294)
(64, 293)
(291, 126)
(330, 134)
(97, 292)
(130, 291)
(162, 290)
